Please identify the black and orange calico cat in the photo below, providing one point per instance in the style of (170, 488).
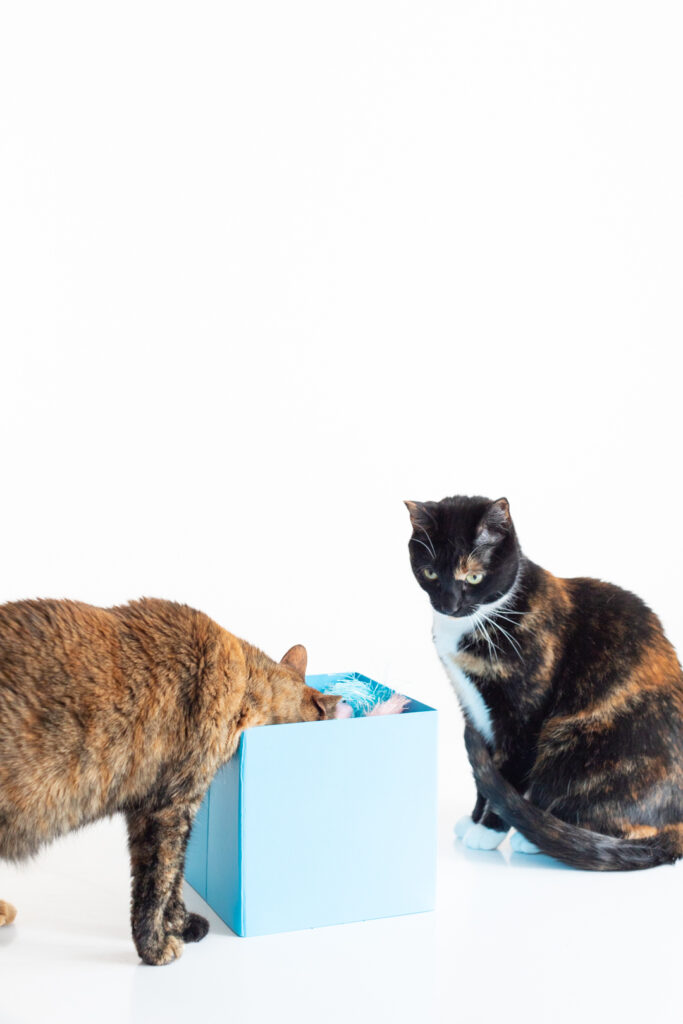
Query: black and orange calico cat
(130, 709)
(572, 694)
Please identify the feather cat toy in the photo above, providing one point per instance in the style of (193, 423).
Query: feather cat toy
(361, 697)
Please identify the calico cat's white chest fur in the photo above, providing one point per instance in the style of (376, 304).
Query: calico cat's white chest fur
(448, 633)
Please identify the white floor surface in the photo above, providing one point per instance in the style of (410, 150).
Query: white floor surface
(513, 938)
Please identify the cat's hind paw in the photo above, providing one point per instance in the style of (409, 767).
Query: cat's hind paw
(7, 913)
(479, 837)
(461, 826)
(519, 844)
(196, 928)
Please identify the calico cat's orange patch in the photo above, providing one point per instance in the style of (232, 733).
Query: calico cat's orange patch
(599, 716)
(651, 674)
(475, 665)
(639, 831)
(550, 591)
(471, 564)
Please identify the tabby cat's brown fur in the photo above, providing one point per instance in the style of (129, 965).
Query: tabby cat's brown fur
(130, 709)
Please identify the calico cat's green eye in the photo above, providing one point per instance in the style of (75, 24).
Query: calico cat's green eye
(474, 577)
(429, 574)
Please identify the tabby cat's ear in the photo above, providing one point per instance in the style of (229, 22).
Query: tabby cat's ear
(495, 523)
(326, 703)
(418, 516)
(296, 658)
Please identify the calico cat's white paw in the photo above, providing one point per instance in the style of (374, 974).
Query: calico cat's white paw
(478, 837)
(461, 826)
(520, 844)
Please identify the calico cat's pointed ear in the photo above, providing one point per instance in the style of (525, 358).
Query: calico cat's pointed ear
(418, 517)
(494, 524)
(297, 658)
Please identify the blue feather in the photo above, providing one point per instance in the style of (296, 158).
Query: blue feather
(359, 692)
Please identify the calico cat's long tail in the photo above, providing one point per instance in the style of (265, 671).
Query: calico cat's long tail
(7, 913)
(576, 846)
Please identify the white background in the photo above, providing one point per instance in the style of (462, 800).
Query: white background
(267, 269)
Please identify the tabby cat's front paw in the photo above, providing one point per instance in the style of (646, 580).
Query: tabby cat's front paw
(163, 952)
(195, 929)
(479, 837)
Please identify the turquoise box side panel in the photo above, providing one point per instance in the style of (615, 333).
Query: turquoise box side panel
(322, 823)
(223, 864)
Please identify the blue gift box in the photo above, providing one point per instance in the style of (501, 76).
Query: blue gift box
(321, 823)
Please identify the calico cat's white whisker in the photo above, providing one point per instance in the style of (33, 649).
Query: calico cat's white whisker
(479, 632)
(493, 620)
(478, 625)
(504, 617)
(511, 639)
(492, 643)
(489, 638)
(431, 543)
(431, 553)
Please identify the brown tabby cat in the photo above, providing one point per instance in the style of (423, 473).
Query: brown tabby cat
(130, 709)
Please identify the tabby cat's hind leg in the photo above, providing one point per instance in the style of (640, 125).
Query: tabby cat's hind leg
(7, 913)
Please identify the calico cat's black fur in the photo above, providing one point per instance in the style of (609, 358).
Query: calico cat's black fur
(576, 735)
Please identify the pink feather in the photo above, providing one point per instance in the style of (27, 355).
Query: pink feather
(394, 705)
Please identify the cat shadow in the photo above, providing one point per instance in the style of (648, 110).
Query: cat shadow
(194, 902)
(487, 858)
(518, 861)
(527, 861)
(216, 926)
(93, 930)
(128, 958)
(50, 946)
